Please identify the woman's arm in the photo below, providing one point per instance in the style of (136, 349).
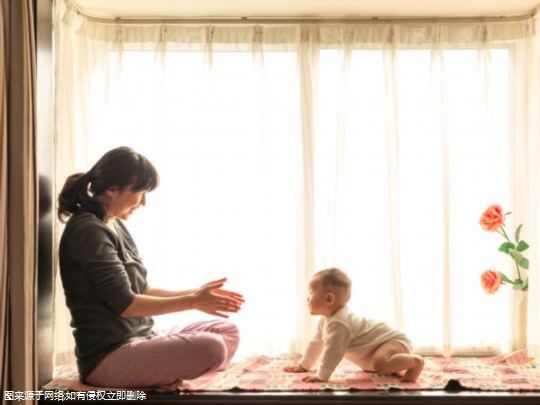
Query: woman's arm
(210, 298)
(157, 292)
(148, 305)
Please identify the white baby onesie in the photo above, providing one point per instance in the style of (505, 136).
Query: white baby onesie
(348, 335)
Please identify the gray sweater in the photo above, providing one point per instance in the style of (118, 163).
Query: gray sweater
(101, 273)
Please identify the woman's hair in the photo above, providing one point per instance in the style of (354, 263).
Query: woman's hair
(118, 169)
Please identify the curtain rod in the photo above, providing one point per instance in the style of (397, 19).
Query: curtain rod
(293, 21)
(296, 21)
(302, 20)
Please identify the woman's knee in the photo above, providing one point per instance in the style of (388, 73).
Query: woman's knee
(232, 333)
(228, 331)
(231, 329)
(223, 327)
(211, 350)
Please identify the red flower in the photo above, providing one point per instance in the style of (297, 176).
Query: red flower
(491, 281)
(492, 218)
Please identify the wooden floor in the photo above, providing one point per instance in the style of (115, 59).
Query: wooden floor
(447, 397)
(349, 398)
(453, 395)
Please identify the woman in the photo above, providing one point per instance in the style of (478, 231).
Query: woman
(107, 294)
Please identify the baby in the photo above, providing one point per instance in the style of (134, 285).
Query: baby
(371, 345)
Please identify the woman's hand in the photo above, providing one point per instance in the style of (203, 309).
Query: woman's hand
(294, 368)
(224, 293)
(211, 299)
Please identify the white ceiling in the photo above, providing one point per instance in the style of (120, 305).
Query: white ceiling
(304, 8)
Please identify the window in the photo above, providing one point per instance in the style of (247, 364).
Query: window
(401, 185)
(403, 166)
(287, 148)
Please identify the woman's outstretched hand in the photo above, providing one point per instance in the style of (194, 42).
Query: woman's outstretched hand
(210, 298)
(213, 300)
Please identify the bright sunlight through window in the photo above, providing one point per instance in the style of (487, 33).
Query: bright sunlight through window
(402, 170)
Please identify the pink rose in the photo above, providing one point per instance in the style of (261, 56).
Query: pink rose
(491, 281)
(492, 218)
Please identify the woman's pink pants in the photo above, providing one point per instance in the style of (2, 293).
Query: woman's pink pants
(179, 353)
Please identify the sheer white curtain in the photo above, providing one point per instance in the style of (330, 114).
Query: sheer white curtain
(526, 173)
(285, 149)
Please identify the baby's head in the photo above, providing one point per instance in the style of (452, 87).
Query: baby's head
(331, 289)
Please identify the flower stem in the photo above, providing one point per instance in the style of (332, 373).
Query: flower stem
(505, 235)
(517, 268)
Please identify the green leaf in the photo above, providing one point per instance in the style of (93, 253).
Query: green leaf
(524, 263)
(515, 255)
(506, 246)
(520, 285)
(518, 231)
(522, 246)
(505, 279)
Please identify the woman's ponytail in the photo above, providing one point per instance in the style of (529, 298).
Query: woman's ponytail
(75, 195)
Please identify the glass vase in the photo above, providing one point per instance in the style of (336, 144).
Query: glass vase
(521, 321)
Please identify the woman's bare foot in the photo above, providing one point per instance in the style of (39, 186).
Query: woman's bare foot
(412, 374)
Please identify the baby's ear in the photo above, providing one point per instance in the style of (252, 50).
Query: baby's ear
(330, 298)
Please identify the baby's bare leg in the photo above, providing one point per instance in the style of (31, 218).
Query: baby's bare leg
(392, 356)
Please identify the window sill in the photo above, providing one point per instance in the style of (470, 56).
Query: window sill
(447, 397)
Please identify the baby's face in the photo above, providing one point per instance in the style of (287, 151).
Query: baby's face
(316, 298)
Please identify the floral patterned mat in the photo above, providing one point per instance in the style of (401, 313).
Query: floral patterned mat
(512, 372)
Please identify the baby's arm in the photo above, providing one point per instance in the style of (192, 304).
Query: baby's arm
(311, 354)
(338, 339)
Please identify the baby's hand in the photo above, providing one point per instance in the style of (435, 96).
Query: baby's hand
(312, 378)
(294, 368)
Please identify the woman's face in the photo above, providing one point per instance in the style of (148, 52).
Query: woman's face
(123, 203)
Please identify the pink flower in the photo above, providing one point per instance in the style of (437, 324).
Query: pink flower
(492, 218)
(491, 281)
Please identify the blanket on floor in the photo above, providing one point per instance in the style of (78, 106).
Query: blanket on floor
(511, 372)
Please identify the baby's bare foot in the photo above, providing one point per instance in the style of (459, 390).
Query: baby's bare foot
(412, 374)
